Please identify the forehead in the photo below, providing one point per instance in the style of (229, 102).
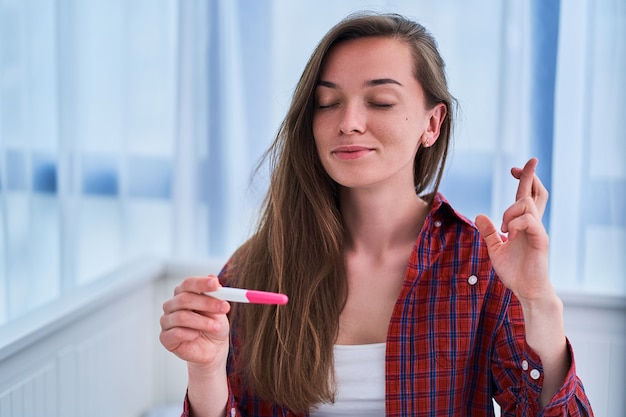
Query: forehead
(374, 57)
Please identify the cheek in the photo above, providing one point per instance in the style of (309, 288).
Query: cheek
(320, 128)
(413, 130)
(318, 137)
(316, 125)
(403, 132)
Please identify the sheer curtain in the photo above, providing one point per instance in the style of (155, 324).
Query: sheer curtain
(589, 196)
(87, 100)
(223, 124)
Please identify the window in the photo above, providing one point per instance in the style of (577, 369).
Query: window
(589, 198)
(87, 140)
(133, 127)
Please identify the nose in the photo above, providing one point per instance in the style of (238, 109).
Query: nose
(353, 119)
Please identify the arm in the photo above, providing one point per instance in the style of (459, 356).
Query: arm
(518, 373)
(207, 392)
(545, 335)
(521, 262)
(195, 328)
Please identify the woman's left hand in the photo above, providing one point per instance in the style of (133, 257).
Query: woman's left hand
(521, 260)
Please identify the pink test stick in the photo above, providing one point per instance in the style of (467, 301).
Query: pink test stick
(240, 295)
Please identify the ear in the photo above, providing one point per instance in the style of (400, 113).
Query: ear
(437, 115)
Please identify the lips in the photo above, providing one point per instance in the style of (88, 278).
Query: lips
(351, 152)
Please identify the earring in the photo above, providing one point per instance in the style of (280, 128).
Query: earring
(427, 143)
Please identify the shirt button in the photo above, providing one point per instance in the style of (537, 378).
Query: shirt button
(437, 223)
(534, 374)
(525, 365)
(472, 280)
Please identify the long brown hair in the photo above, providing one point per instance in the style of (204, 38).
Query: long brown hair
(286, 353)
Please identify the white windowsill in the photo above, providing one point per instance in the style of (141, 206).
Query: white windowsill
(598, 301)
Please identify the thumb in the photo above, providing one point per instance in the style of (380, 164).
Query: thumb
(488, 231)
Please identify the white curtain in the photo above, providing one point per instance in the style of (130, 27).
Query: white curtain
(223, 109)
(589, 197)
(87, 100)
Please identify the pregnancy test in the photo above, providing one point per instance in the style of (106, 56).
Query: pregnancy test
(239, 295)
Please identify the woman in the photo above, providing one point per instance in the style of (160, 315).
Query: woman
(398, 304)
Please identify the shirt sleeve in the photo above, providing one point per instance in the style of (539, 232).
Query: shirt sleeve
(518, 375)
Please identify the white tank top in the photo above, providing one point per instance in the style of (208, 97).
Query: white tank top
(360, 376)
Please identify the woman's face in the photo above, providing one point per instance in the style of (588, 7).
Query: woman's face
(370, 116)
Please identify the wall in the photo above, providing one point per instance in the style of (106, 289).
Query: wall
(92, 355)
(596, 327)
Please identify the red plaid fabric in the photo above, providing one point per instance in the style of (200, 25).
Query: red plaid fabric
(456, 338)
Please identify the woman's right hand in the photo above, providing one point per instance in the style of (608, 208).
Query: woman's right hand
(194, 326)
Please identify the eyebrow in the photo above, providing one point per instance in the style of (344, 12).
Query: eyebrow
(370, 83)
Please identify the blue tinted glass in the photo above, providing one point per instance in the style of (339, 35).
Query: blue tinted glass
(100, 175)
(16, 170)
(10, 31)
(606, 214)
(545, 40)
(44, 173)
(150, 177)
(468, 183)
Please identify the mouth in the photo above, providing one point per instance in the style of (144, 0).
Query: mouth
(351, 152)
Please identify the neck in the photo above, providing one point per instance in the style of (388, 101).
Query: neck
(376, 222)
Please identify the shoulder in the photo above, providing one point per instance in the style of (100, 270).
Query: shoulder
(442, 212)
(460, 251)
(448, 230)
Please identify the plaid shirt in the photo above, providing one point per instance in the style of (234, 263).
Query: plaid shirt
(456, 338)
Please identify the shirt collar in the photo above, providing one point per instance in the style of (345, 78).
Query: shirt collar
(442, 211)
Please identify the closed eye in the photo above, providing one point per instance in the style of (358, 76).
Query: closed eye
(382, 105)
